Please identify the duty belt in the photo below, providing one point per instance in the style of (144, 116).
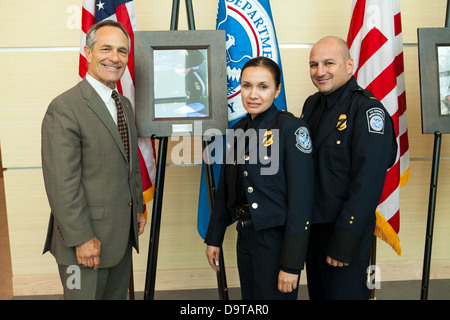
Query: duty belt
(242, 215)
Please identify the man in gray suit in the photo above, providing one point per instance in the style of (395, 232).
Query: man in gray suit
(93, 186)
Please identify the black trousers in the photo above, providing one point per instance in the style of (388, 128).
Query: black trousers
(258, 259)
(337, 283)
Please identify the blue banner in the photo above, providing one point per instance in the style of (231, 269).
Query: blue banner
(250, 33)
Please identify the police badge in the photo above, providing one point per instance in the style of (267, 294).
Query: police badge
(342, 122)
(268, 138)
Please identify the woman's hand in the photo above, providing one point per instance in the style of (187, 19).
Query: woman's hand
(212, 253)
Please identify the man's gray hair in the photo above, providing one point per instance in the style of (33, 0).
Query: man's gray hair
(91, 38)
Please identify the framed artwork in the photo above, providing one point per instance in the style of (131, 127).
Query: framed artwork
(434, 67)
(180, 78)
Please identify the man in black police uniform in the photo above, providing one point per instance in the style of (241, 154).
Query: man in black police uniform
(354, 145)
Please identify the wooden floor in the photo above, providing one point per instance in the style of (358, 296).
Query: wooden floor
(439, 289)
(6, 291)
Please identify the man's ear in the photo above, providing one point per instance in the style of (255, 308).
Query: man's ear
(87, 53)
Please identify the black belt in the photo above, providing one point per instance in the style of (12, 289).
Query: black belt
(242, 215)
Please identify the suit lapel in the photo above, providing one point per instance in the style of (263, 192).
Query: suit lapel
(98, 107)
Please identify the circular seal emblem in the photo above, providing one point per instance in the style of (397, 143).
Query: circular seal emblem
(375, 120)
(303, 140)
(376, 123)
(249, 33)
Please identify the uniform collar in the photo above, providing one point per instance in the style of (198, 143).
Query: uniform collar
(256, 122)
(334, 97)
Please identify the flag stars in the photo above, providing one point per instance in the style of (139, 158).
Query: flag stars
(100, 5)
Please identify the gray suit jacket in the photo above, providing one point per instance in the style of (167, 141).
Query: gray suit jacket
(91, 187)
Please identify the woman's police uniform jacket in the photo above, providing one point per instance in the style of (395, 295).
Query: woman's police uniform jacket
(272, 181)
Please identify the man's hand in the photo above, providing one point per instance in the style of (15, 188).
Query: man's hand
(141, 223)
(335, 263)
(287, 282)
(88, 253)
(212, 253)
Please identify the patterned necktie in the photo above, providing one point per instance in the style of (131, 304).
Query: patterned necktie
(121, 124)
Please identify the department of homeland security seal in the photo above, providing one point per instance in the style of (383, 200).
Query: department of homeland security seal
(249, 33)
(375, 120)
(303, 140)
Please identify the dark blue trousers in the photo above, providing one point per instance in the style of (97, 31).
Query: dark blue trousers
(337, 283)
(258, 258)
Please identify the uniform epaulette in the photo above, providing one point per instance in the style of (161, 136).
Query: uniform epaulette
(365, 92)
(286, 113)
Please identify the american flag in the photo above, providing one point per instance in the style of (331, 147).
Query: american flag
(376, 45)
(122, 11)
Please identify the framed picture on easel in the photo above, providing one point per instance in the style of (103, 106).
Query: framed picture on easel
(180, 79)
(434, 67)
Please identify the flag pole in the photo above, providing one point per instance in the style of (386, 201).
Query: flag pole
(373, 262)
(430, 219)
(149, 290)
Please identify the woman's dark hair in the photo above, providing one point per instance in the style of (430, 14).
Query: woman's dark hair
(262, 61)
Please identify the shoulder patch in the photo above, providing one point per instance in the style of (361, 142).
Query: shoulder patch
(375, 120)
(303, 140)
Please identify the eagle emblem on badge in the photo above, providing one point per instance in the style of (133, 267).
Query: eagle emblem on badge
(303, 140)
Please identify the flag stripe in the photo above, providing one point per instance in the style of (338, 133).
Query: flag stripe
(383, 83)
(357, 21)
(392, 181)
(395, 221)
(87, 20)
(123, 16)
(370, 44)
(397, 24)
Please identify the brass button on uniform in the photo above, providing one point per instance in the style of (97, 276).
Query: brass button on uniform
(130, 203)
(245, 173)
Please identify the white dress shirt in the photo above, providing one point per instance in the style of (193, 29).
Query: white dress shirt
(105, 94)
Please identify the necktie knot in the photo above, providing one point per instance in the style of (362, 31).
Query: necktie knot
(115, 96)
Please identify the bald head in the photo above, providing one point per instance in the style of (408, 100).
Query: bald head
(339, 43)
(330, 64)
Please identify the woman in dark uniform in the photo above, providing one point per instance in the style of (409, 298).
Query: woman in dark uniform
(266, 186)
